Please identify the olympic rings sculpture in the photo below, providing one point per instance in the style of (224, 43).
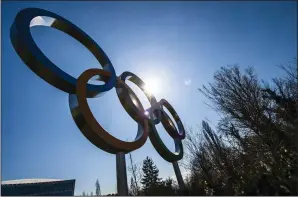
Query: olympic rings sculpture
(79, 89)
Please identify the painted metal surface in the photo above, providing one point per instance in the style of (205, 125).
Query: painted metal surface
(79, 90)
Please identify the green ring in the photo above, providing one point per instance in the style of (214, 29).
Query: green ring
(161, 148)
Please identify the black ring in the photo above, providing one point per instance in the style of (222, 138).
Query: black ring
(136, 111)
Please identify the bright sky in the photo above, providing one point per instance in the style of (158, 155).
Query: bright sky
(178, 44)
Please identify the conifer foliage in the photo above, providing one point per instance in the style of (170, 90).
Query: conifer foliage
(150, 178)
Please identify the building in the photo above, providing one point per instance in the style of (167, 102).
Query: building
(38, 187)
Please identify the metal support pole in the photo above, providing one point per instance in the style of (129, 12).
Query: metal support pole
(178, 176)
(121, 174)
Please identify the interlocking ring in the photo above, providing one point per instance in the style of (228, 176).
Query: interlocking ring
(157, 114)
(79, 90)
(34, 58)
(91, 128)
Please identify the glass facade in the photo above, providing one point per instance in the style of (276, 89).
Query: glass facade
(54, 188)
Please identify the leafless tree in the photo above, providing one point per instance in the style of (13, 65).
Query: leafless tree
(253, 149)
(136, 173)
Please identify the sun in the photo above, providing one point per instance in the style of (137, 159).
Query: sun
(152, 85)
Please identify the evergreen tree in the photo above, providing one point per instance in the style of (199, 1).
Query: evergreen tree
(168, 182)
(97, 188)
(150, 179)
(166, 188)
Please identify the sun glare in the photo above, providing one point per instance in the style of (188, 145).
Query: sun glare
(152, 85)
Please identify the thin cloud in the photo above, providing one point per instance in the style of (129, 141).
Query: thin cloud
(187, 82)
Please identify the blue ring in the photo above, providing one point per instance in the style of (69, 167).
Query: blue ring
(34, 58)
